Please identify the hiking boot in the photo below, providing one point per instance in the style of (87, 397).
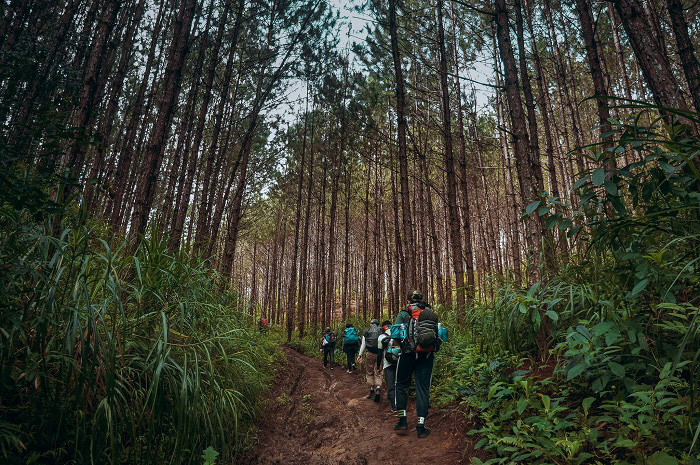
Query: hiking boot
(422, 431)
(377, 397)
(370, 395)
(401, 425)
(349, 371)
(331, 368)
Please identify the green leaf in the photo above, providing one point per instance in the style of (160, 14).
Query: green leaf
(580, 182)
(209, 456)
(598, 177)
(662, 458)
(610, 187)
(546, 401)
(617, 369)
(576, 370)
(522, 405)
(552, 315)
(641, 285)
(531, 208)
(625, 443)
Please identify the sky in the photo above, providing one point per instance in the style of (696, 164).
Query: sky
(352, 28)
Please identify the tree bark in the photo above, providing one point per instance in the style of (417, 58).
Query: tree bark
(177, 55)
(686, 50)
(652, 60)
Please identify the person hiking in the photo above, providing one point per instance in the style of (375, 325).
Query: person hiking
(443, 334)
(351, 342)
(419, 342)
(388, 366)
(328, 342)
(373, 362)
(263, 323)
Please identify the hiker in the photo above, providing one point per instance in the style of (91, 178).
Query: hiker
(263, 323)
(388, 364)
(373, 366)
(419, 342)
(351, 342)
(328, 347)
(442, 333)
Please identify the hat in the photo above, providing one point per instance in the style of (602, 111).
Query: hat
(414, 296)
(328, 329)
(374, 321)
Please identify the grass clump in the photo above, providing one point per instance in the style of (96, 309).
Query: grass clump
(109, 357)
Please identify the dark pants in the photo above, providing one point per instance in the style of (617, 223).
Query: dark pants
(390, 378)
(351, 353)
(422, 365)
(328, 352)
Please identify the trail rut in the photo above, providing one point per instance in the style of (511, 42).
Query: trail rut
(316, 416)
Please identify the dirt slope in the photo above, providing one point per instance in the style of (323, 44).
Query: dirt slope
(321, 417)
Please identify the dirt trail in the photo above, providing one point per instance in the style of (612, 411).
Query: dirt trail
(321, 417)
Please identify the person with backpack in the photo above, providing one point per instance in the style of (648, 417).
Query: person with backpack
(263, 323)
(373, 367)
(351, 342)
(419, 341)
(388, 364)
(328, 342)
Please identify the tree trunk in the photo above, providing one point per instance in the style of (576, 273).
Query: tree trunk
(686, 51)
(653, 61)
(455, 238)
(408, 273)
(177, 55)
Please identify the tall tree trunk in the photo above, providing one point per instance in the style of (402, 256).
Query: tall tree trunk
(455, 237)
(653, 61)
(307, 221)
(464, 183)
(529, 169)
(126, 156)
(177, 55)
(686, 50)
(585, 16)
(408, 273)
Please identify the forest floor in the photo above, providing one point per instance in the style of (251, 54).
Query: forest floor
(317, 416)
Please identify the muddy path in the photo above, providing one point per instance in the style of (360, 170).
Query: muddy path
(317, 416)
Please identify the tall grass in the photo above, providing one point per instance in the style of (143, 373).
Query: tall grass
(107, 357)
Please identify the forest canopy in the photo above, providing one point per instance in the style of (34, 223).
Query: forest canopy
(172, 170)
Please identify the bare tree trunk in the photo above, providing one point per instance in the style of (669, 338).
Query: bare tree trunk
(653, 61)
(305, 240)
(408, 273)
(455, 238)
(177, 55)
(686, 50)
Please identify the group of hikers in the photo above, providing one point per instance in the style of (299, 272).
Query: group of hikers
(397, 353)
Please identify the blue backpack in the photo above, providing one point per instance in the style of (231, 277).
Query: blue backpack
(350, 336)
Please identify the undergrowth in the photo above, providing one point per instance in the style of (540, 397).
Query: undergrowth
(112, 357)
(618, 382)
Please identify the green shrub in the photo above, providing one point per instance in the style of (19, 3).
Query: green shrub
(112, 358)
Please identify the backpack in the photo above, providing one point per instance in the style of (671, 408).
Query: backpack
(442, 334)
(263, 322)
(421, 333)
(330, 338)
(350, 337)
(372, 339)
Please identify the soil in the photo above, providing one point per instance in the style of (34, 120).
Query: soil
(317, 416)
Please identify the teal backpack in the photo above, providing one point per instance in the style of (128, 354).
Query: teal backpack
(350, 336)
